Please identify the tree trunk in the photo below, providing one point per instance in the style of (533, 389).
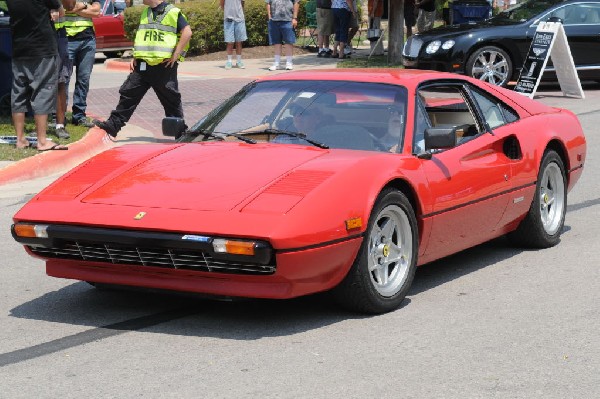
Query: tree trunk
(395, 31)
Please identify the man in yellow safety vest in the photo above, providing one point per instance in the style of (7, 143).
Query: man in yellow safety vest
(160, 43)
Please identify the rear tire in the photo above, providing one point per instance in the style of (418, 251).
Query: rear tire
(544, 222)
(385, 265)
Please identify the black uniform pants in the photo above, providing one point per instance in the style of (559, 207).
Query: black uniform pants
(162, 79)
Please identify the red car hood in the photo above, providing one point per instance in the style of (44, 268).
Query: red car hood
(230, 173)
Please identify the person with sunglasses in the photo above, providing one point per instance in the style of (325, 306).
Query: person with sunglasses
(395, 127)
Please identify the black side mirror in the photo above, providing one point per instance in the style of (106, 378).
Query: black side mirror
(437, 138)
(555, 19)
(173, 126)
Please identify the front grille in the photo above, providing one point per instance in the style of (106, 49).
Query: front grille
(155, 257)
(412, 47)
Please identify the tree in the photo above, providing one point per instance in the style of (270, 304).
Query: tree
(395, 30)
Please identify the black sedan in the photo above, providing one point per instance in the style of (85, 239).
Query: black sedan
(494, 50)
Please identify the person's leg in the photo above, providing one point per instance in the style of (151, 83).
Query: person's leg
(64, 68)
(275, 40)
(240, 36)
(341, 36)
(277, 58)
(61, 109)
(228, 64)
(19, 100)
(131, 93)
(352, 30)
(166, 87)
(430, 20)
(229, 39)
(289, 55)
(420, 21)
(84, 62)
(61, 103)
(43, 98)
(41, 122)
(289, 37)
(323, 31)
(18, 119)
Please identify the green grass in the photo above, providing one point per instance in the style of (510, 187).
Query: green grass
(376, 61)
(11, 153)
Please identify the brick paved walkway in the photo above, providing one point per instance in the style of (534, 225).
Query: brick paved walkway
(198, 96)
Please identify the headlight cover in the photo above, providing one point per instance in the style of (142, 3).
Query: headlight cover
(448, 44)
(435, 45)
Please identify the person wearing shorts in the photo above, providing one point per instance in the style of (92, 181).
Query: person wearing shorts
(234, 27)
(34, 70)
(324, 27)
(283, 19)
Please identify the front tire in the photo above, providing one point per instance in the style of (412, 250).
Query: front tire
(544, 222)
(385, 265)
(490, 64)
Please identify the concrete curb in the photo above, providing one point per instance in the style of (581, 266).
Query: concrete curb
(50, 162)
(116, 65)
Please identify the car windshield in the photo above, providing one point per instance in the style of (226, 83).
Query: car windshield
(527, 10)
(326, 114)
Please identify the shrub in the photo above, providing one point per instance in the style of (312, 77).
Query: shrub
(206, 20)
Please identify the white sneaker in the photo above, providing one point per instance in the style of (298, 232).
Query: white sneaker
(289, 66)
(274, 67)
(347, 50)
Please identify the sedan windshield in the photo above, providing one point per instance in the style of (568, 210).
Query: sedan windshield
(527, 10)
(325, 114)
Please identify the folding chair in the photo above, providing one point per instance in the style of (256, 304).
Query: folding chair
(310, 9)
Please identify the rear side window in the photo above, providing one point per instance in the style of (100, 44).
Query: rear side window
(495, 112)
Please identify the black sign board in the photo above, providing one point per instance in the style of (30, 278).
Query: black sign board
(535, 62)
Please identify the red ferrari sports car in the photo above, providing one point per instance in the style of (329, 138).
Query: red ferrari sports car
(341, 180)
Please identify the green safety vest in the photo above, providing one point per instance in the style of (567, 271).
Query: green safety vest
(76, 24)
(155, 40)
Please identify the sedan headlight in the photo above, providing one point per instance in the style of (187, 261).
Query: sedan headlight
(448, 44)
(435, 45)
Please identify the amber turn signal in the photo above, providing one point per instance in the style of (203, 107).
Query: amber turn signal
(354, 223)
(31, 230)
(234, 247)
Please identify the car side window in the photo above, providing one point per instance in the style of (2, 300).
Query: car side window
(493, 111)
(446, 106)
(576, 14)
(581, 14)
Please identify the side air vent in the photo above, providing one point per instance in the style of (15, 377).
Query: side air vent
(511, 148)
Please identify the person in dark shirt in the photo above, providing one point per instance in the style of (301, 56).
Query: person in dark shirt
(34, 70)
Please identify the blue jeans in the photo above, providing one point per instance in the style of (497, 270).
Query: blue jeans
(82, 53)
